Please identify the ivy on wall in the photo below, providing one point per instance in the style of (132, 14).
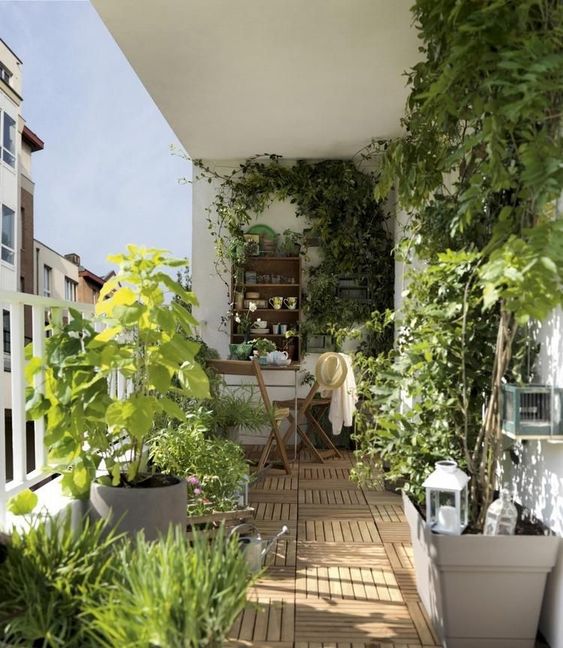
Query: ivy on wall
(343, 218)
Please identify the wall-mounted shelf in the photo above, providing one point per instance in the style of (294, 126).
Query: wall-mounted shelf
(289, 268)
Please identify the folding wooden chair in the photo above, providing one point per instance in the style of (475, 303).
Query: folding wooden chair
(305, 410)
(275, 414)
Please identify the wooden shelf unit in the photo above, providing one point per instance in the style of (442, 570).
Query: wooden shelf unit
(288, 267)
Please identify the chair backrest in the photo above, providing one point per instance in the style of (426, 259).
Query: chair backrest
(233, 367)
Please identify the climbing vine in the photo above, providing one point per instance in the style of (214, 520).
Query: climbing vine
(343, 218)
(480, 170)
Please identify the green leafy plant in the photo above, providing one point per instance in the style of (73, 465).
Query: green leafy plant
(87, 419)
(213, 467)
(45, 576)
(336, 197)
(189, 591)
(263, 346)
(235, 409)
(480, 170)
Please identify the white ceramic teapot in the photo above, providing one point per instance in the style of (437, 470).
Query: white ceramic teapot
(277, 357)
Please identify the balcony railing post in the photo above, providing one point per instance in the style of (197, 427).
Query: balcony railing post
(38, 349)
(18, 391)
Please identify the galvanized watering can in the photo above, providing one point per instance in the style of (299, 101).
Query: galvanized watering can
(255, 549)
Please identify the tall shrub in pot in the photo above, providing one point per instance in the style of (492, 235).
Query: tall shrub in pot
(105, 381)
(480, 171)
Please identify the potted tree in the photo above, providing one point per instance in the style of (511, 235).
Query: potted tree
(104, 383)
(475, 171)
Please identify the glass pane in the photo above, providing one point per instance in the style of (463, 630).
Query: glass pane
(7, 227)
(9, 158)
(7, 255)
(9, 139)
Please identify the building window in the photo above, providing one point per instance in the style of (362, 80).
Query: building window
(47, 281)
(9, 140)
(5, 74)
(6, 331)
(70, 289)
(8, 243)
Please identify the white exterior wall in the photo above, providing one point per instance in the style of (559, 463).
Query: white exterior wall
(60, 269)
(212, 292)
(538, 481)
(9, 185)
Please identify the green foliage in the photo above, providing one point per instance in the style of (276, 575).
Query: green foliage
(263, 346)
(88, 588)
(337, 200)
(146, 341)
(423, 401)
(214, 467)
(480, 170)
(23, 503)
(47, 572)
(236, 409)
(175, 593)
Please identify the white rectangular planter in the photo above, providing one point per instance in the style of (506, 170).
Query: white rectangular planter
(481, 591)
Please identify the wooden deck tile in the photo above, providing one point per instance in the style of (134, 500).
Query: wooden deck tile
(257, 495)
(334, 512)
(323, 471)
(283, 554)
(394, 531)
(277, 584)
(381, 497)
(339, 553)
(350, 531)
(344, 576)
(280, 511)
(345, 620)
(388, 512)
(330, 496)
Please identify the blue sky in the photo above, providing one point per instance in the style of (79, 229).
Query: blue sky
(106, 177)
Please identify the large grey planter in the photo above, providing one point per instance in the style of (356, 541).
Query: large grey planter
(152, 510)
(481, 591)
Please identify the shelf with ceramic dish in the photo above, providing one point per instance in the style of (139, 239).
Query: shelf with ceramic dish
(257, 335)
(249, 286)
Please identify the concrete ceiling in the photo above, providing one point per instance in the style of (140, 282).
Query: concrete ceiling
(302, 78)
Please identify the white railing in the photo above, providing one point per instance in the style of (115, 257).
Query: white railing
(19, 466)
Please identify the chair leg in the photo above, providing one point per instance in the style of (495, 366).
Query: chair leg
(324, 436)
(305, 439)
(274, 437)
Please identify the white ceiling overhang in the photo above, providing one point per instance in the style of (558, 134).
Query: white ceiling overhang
(302, 78)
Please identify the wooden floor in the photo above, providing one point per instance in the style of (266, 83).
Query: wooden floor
(344, 577)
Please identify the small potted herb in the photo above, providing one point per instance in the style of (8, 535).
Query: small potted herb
(262, 347)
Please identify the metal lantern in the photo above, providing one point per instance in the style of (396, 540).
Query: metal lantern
(446, 498)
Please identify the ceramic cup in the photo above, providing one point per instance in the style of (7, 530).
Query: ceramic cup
(283, 329)
(276, 329)
(291, 302)
(276, 302)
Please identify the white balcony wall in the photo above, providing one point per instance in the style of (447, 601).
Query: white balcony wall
(537, 481)
(212, 291)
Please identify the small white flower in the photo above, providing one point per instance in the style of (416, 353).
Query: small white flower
(259, 319)
(237, 319)
(252, 307)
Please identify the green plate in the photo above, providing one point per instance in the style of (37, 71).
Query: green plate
(263, 230)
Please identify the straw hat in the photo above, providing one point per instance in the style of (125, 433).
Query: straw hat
(331, 370)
